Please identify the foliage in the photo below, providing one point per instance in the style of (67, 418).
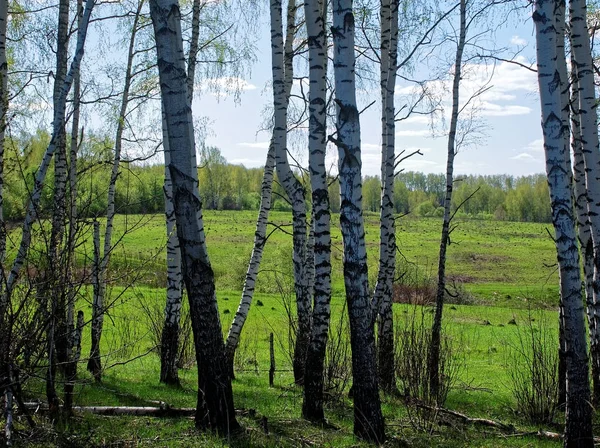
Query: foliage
(533, 368)
(412, 344)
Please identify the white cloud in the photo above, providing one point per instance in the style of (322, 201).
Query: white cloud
(524, 157)
(260, 145)
(535, 146)
(519, 41)
(248, 163)
(414, 133)
(496, 110)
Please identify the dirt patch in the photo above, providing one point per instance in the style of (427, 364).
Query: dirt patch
(460, 278)
(414, 295)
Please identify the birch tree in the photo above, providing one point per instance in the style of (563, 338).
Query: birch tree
(260, 239)
(73, 335)
(315, 18)
(215, 409)
(436, 330)
(4, 336)
(368, 420)
(170, 334)
(578, 425)
(383, 293)
(282, 65)
(584, 234)
(98, 309)
(32, 208)
(583, 72)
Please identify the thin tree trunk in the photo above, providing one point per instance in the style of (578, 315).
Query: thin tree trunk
(565, 112)
(215, 409)
(260, 238)
(368, 420)
(387, 247)
(54, 283)
(578, 426)
(583, 71)
(94, 364)
(282, 56)
(312, 405)
(585, 241)
(4, 320)
(71, 364)
(32, 208)
(169, 342)
(436, 330)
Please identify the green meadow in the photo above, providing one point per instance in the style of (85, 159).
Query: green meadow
(506, 284)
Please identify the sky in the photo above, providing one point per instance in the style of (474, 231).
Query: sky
(509, 113)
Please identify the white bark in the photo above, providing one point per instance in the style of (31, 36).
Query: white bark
(170, 335)
(31, 214)
(584, 232)
(282, 55)
(578, 427)
(112, 187)
(368, 420)
(260, 239)
(434, 360)
(94, 362)
(3, 113)
(320, 262)
(215, 408)
(583, 71)
(383, 294)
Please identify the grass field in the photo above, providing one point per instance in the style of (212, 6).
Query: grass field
(508, 265)
(499, 262)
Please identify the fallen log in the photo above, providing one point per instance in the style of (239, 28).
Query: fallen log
(164, 410)
(469, 420)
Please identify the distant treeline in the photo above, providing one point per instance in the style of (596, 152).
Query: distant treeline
(233, 187)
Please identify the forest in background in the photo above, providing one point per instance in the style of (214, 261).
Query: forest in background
(226, 186)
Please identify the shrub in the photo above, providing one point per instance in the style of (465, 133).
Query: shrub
(413, 342)
(533, 369)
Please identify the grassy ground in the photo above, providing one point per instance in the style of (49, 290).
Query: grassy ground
(509, 265)
(500, 262)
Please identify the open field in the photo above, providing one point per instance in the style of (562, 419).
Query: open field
(505, 264)
(499, 262)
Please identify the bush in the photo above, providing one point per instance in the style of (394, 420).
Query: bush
(413, 342)
(533, 369)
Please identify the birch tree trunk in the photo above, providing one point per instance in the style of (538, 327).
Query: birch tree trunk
(315, 15)
(368, 420)
(561, 64)
(71, 364)
(583, 233)
(54, 278)
(94, 363)
(282, 56)
(32, 208)
(215, 409)
(4, 336)
(436, 330)
(578, 426)
(169, 341)
(50, 288)
(387, 238)
(583, 71)
(260, 239)
(3, 123)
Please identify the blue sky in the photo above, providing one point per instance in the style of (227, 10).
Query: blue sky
(509, 110)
